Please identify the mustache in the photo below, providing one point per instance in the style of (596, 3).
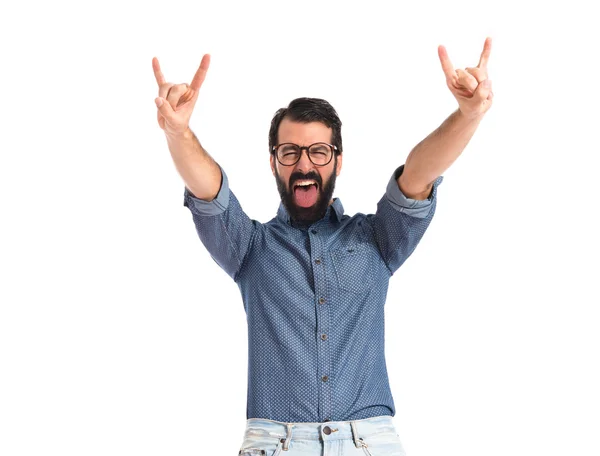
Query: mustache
(296, 176)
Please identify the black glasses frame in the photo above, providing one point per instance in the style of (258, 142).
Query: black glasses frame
(301, 148)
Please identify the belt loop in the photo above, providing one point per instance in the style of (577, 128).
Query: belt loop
(288, 436)
(357, 441)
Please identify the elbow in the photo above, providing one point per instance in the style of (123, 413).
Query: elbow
(414, 190)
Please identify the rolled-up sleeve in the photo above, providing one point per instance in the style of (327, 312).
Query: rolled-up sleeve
(409, 206)
(400, 222)
(214, 207)
(222, 226)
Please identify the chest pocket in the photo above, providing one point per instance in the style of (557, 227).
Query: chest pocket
(355, 267)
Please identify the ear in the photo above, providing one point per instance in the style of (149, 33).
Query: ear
(272, 161)
(338, 168)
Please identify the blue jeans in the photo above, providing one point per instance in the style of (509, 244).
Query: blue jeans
(374, 436)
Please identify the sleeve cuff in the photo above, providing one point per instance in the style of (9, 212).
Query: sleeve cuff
(214, 207)
(412, 207)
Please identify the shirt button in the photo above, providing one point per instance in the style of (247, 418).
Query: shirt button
(324, 378)
(324, 336)
(317, 261)
(321, 300)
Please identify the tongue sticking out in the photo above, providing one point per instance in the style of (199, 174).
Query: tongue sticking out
(305, 196)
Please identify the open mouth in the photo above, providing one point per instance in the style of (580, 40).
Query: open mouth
(305, 185)
(305, 192)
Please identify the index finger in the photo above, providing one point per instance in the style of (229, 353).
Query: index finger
(446, 64)
(201, 72)
(160, 79)
(485, 54)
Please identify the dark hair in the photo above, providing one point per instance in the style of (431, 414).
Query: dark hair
(308, 110)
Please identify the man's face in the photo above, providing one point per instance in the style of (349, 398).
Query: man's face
(305, 203)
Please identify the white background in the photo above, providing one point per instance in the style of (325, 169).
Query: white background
(119, 335)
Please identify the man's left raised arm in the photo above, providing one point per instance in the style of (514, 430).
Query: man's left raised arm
(434, 155)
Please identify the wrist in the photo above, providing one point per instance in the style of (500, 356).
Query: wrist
(184, 135)
(470, 117)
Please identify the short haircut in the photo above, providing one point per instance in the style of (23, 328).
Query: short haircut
(308, 110)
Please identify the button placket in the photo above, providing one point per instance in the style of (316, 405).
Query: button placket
(323, 321)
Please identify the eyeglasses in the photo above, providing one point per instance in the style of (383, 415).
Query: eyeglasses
(289, 154)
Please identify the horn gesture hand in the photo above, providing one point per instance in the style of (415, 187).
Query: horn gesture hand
(471, 86)
(175, 102)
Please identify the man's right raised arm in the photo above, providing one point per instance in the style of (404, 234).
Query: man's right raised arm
(223, 227)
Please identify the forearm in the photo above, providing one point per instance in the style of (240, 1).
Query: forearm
(200, 173)
(434, 155)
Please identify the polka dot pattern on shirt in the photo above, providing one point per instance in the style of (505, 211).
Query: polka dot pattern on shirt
(314, 300)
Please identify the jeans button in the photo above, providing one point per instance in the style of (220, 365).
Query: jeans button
(327, 430)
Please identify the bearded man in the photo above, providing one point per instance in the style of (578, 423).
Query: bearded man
(314, 279)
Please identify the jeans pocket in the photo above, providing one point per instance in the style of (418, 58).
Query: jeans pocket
(365, 447)
(261, 447)
(383, 444)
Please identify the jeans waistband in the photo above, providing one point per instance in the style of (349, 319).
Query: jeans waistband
(329, 430)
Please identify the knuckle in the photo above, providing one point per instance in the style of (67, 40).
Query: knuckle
(165, 89)
(176, 90)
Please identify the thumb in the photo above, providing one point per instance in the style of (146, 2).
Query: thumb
(164, 108)
(483, 90)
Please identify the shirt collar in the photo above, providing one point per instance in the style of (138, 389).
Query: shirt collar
(337, 213)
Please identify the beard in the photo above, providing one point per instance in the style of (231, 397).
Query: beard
(305, 216)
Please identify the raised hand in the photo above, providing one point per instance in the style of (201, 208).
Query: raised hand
(471, 86)
(175, 102)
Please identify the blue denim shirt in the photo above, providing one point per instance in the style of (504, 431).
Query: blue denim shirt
(314, 300)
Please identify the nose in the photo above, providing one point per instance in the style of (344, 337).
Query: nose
(304, 164)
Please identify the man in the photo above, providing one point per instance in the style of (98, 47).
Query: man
(314, 280)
